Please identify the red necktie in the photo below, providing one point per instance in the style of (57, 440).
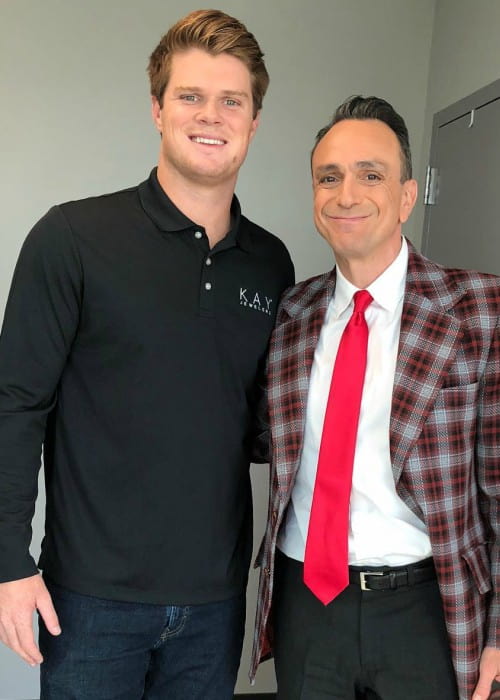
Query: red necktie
(325, 563)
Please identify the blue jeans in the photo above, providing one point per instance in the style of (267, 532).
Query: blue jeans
(109, 650)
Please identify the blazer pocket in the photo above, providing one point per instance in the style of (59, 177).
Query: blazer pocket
(478, 562)
(456, 406)
(460, 393)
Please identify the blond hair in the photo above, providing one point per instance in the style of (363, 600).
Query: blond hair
(214, 32)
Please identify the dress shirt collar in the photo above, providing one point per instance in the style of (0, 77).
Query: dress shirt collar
(169, 219)
(387, 290)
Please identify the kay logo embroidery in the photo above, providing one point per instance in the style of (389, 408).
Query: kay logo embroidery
(255, 300)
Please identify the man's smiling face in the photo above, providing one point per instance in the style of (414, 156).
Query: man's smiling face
(359, 199)
(206, 119)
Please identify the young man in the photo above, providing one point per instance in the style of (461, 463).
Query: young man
(134, 335)
(385, 427)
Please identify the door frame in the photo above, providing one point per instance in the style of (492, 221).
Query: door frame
(477, 99)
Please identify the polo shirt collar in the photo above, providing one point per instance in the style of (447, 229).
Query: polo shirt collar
(169, 219)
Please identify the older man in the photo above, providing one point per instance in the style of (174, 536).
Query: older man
(384, 391)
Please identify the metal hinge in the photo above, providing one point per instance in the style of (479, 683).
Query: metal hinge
(431, 185)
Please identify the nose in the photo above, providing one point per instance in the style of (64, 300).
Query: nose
(348, 192)
(209, 112)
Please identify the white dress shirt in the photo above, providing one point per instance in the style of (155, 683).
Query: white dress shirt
(382, 529)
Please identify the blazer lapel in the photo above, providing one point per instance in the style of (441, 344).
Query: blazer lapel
(292, 354)
(429, 341)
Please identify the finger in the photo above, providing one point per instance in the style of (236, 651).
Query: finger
(488, 670)
(27, 645)
(48, 614)
(8, 634)
(483, 688)
(11, 638)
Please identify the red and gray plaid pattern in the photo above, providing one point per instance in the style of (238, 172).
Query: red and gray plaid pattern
(444, 437)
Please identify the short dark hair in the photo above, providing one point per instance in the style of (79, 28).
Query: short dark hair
(359, 107)
(217, 33)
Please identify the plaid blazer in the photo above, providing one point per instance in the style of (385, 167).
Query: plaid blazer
(444, 439)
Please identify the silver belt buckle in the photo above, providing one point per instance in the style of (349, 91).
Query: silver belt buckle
(364, 574)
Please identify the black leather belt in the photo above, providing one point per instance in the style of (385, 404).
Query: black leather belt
(385, 578)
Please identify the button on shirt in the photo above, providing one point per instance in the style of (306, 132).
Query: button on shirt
(382, 529)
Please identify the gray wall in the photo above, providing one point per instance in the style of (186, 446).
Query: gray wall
(75, 121)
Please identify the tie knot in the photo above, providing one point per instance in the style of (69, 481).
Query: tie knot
(362, 301)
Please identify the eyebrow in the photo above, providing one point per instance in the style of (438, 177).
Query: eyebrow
(360, 164)
(376, 164)
(236, 93)
(227, 93)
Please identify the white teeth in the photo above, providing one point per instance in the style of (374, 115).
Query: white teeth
(210, 142)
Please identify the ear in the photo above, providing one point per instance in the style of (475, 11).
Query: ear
(156, 113)
(408, 199)
(255, 124)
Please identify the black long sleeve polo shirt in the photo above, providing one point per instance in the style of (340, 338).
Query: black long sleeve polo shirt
(131, 352)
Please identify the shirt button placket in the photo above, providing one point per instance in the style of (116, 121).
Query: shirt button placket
(206, 294)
